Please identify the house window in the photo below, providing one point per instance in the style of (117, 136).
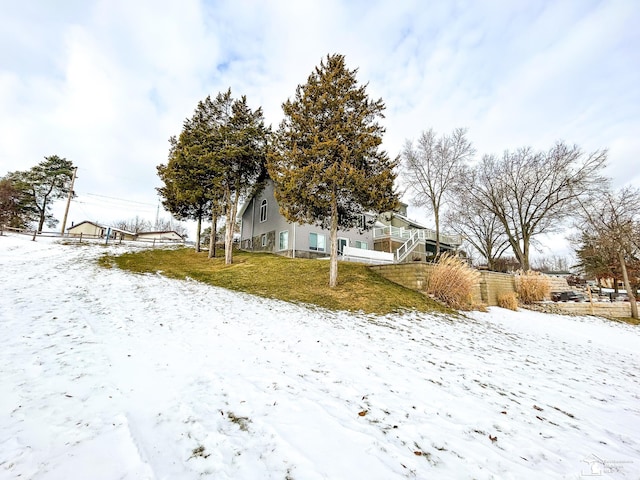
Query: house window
(362, 245)
(362, 222)
(264, 240)
(263, 211)
(283, 244)
(317, 242)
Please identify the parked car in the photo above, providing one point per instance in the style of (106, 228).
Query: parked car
(619, 297)
(568, 296)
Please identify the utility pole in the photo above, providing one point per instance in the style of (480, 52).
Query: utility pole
(66, 210)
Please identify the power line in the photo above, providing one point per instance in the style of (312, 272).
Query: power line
(113, 205)
(119, 199)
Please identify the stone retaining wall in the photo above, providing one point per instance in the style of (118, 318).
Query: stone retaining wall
(494, 284)
(487, 290)
(410, 275)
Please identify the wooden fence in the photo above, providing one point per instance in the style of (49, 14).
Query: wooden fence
(85, 237)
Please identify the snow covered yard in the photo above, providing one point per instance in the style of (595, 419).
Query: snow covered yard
(111, 375)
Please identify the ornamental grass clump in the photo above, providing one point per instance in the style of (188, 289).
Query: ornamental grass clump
(508, 300)
(452, 281)
(532, 287)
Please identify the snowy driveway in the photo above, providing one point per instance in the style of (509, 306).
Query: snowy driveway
(110, 375)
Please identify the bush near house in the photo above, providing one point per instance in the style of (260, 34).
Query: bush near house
(532, 287)
(452, 281)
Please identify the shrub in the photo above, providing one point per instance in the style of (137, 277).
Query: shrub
(508, 300)
(532, 287)
(452, 281)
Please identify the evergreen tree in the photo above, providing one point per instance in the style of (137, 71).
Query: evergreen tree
(15, 209)
(41, 185)
(241, 158)
(191, 182)
(326, 162)
(212, 165)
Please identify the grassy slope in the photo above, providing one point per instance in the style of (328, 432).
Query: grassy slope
(293, 280)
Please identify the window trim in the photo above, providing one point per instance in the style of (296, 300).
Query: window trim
(286, 247)
(317, 248)
(263, 210)
(264, 239)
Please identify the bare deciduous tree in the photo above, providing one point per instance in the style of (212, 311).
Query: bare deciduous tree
(432, 167)
(134, 225)
(478, 226)
(551, 263)
(532, 193)
(614, 218)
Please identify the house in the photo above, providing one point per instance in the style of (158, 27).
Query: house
(87, 229)
(408, 239)
(164, 236)
(119, 234)
(264, 229)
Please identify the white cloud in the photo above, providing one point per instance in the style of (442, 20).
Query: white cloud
(105, 83)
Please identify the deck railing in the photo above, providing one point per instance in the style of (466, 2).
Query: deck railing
(401, 233)
(406, 248)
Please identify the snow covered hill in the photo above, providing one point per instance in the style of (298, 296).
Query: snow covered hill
(111, 375)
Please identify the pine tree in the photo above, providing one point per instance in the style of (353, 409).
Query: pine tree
(42, 184)
(239, 152)
(191, 180)
(213, 164)
(326, 162)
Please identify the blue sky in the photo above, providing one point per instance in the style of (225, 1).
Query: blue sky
(104, 83)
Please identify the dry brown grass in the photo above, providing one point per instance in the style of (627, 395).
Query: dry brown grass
(294, 280)
(532, 287)
(452, 281)
(508, 300)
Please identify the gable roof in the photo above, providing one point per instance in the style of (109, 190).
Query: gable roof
(86, 221)
(113, 229)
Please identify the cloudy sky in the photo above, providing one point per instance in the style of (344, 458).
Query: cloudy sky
(104, 83)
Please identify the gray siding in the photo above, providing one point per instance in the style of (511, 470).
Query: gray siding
(252, 230)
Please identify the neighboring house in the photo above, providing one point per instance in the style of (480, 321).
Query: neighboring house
(119, 234)
(263, 228)
(164, 236)
(89, 229)
(93, 230)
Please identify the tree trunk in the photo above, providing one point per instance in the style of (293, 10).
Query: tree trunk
(198, 232)
(630, 293)
(333, 257)
(232, 210)
(524, 262)
(436, 214)
(212, 235)
(515, 246)
(40, 223)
